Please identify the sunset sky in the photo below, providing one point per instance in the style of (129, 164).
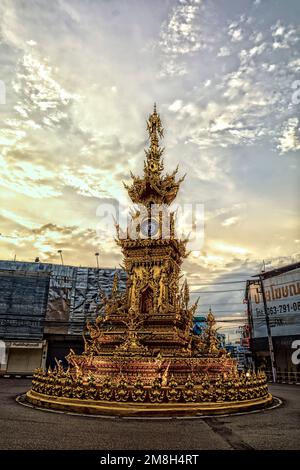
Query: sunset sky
(81, 77)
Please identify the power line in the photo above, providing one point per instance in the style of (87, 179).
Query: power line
(268, 286)
(227, 279)
(224, 311)
(217, 283)
(229, 303)
(233, 290)
(31, 324)
(216, 291)
(232, 321)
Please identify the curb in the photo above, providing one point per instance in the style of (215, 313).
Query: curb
(21, 400)
(15, 376)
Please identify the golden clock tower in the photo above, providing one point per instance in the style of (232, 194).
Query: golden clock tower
(141, 356)
(152, 260)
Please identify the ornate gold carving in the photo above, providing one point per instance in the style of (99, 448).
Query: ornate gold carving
(132, 345)
(173, 392)
(143, 350)
(222, 388)
(189, 392)
(138, 392)
(122, 391)
(154, 188)
(156, 392)
(106, 390)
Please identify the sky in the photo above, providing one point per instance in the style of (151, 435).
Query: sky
(78, 80)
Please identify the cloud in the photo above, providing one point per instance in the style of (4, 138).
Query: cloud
(175, 106)
(284, 37)
(70, 10)
(28, 179)
(180, 36)
(45, 240)
(18, 219)
(290, 138)
(41, 98)
(224, 52)
(230, 221)
(53, 228)
(295, 65)
(84, 79)
(232, 249)
(235, 34)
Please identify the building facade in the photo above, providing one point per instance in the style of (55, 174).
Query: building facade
(281, 288)
(200, 325)
(43, 310)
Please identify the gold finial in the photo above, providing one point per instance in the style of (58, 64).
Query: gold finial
(186, 294)
(154, 128)
(156, 132)
(162, 188)
(210, 318)
(115, 283)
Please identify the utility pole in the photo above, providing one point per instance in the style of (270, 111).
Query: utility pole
(61, 256)
(270, 340)
(97, 258)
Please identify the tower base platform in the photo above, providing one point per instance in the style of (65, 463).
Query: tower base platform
(127, 409)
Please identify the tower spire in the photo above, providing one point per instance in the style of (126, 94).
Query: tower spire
(153, 164)
(154, 187)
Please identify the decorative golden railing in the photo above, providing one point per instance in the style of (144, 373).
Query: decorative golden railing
(224, 388)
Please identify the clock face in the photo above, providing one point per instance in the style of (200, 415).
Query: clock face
(153, 166)
(149, 227)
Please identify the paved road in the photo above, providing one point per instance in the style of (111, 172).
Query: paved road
(26, 428)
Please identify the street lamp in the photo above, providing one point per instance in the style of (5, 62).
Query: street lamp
(97, 259)
(61, 256)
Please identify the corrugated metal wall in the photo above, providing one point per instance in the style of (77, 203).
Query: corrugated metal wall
(23, 304)
(85, 294)
(60, 298)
